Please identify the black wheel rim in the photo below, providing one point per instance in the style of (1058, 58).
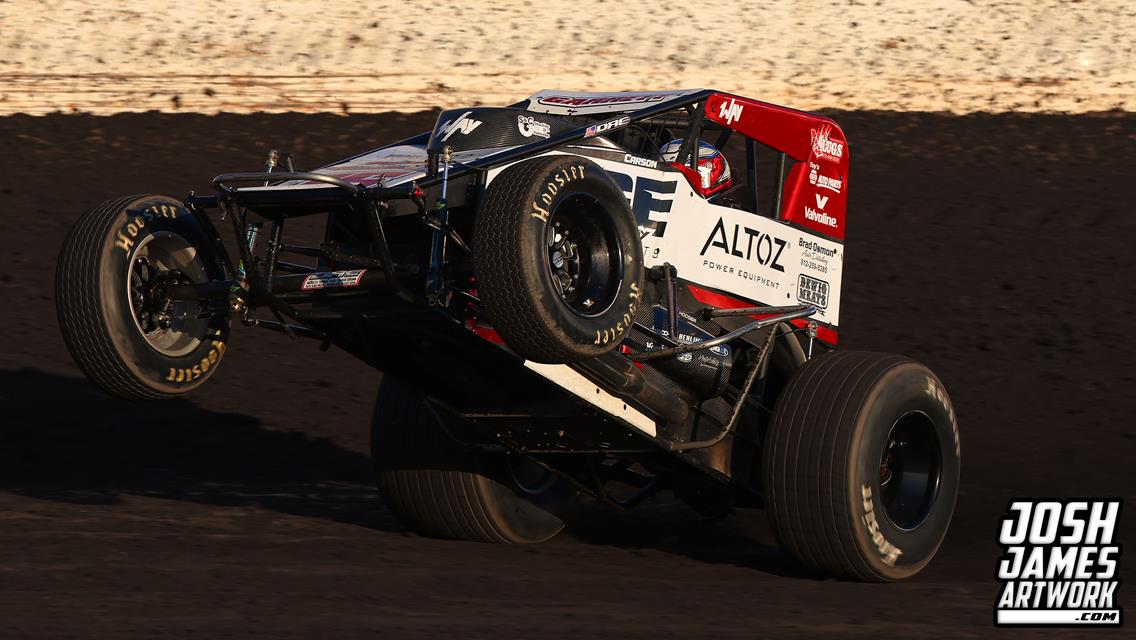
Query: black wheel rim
(161, 260)
(585, 259)
(910, 470)
(528, 476)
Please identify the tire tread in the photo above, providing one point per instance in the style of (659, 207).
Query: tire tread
(439, 503)
(81, 317)
(806, 483)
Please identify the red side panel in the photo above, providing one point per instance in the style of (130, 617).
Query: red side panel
(816, 189)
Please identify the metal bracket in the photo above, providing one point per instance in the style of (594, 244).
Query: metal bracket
(811, 331)
(758, 367)
(782, 314)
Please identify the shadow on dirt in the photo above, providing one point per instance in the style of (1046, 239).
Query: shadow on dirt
(62, 439)
(667, 525)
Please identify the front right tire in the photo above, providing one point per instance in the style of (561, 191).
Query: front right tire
(558, 259)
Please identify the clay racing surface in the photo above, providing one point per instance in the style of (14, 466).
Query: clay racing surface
(208, 56)
(996, 249)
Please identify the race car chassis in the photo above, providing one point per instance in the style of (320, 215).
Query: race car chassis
(393, 315)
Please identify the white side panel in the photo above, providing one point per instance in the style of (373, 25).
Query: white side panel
(748, 255)
(579, 386)
(756, 257)
(752, 256)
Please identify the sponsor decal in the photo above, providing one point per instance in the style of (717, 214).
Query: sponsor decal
(823, 146)
(530, 126)
(645, 195)
(463, 124)
(819, 216)
(812, 291)
(814, 256)
(730, 111)
(331, 279)
(596, 101)
(708, 361)
(641, 162)
(1059, 563)
(816, 247)
(821, 181)
(889, 553)
(555, 182)
(746, 243)
(604, 127)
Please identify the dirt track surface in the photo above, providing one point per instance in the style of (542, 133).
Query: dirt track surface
(996, 249)
(109, 56)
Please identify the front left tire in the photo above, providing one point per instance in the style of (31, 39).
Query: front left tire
(124, 334)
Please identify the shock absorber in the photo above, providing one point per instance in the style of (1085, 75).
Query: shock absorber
(251, 233)
(441, 218)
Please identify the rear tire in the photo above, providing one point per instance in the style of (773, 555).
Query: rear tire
(111, 269)
(442, 488)
(861, 466)
(558, 259)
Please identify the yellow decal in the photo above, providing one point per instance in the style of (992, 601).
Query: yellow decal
(624, 323)
(135, 224)
(559, 179)
(189, 374)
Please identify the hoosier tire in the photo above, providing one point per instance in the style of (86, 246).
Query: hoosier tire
(444, 489)
(558, 259)
(861, 466)
(110, 269)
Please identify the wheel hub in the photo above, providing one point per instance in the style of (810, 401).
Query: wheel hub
(147, 295)
(887, 462)
(585, 261)
(910, 470)
(164, 259)
(564, 256)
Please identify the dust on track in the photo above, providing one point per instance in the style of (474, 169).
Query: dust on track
(996, 249)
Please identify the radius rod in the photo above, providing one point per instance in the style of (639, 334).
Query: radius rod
(783, 314)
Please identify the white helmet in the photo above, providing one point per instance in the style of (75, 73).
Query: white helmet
(713, 176)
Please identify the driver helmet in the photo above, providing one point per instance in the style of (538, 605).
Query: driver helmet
(713, 176)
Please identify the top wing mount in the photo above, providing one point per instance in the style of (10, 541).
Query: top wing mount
(565, 103)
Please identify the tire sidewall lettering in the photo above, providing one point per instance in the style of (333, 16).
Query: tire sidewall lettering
(136, 221)
(893, 551)
(561, 182)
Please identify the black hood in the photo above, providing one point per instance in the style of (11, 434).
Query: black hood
(492, 127)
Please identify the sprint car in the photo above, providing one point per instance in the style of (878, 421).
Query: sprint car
(571, 296)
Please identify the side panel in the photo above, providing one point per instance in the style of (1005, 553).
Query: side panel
(816, 190)
(747, 255)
